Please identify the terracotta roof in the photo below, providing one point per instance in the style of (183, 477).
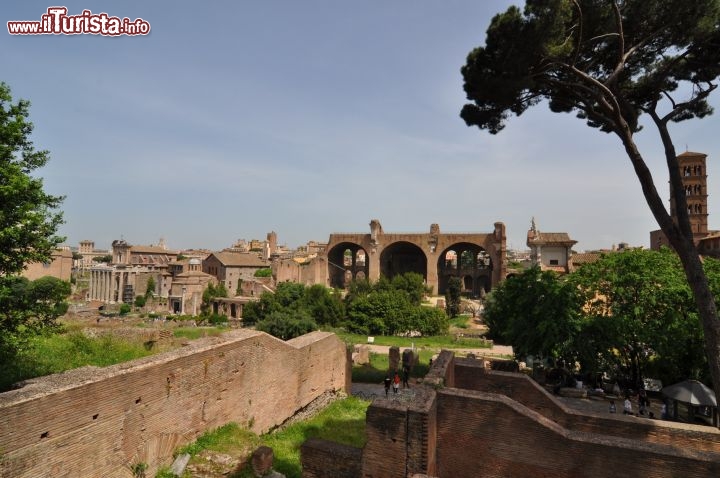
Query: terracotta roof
(586, 257)
(194, 274)
(687, 154)
(549, 238)
(240, 259)
(151, 250)
(713, 235)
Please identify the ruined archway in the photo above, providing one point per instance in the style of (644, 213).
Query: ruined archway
(346, 260)
(471, 263)
(401, 257)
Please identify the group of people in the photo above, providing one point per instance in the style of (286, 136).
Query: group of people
(395, 381)
(643, 406)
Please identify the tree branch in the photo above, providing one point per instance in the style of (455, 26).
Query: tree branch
(580, 32)
(679, 107)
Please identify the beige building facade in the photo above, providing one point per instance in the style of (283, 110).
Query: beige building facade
(59, 266)
(130, 271)
(233, 268)
(550, 250)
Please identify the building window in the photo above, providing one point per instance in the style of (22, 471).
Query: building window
(554, 262)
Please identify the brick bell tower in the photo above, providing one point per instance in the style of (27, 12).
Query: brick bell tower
(694, 179)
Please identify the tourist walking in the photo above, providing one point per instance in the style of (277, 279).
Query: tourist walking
(396, 383)
(406, 377)
(387, 382)
(627, 407)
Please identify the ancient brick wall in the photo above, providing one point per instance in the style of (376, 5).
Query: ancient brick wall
(95, 422)
(490, 435)
(518, 430)
(400, 435)
(322, 458)
(470, 375)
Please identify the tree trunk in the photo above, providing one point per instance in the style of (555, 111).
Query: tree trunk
(680, 237)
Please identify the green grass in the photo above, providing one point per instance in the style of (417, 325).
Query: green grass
(460, 322)
(193, 333)
(375, 371)
(436, 342)
(343, 421)
(56, 353)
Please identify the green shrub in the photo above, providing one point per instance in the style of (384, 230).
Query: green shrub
(125, 309)
(267, 272)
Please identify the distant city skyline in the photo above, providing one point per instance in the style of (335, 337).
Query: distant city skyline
(306, 118)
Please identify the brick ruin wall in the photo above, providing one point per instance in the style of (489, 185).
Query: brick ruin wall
(96, 422)
(472, 375)
(496, 436)
(468, 421)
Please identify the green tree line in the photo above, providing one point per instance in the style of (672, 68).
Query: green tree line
(386, 307)
(630, 314)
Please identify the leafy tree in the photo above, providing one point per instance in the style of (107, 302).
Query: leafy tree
(535, 311)
(266, 272)
(610, 62)
(324, 305)
(413, 284)
(252, 312)
(384, 312)
(28, 217)
(639, 315)
(390, 307)
(29, 221)
(150, 288)
(140, 301)
(430, 321)
(286, 324)
(211, 292)
(452, 296)
(106, 259)
(357, 288)
(28, 308)
(289, 294)
(319, 303)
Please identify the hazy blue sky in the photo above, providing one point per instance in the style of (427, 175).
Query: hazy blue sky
(235, 118)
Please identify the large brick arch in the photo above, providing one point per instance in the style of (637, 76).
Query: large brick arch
(401, 257)
(339, 271)
(472, 264)
(384, 251)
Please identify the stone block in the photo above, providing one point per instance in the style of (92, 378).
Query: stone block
(262, 461)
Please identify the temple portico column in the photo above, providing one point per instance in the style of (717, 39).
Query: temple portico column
(121, 286)
(101, 285)
(108, 286)
(92, 285)
(102, 278)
